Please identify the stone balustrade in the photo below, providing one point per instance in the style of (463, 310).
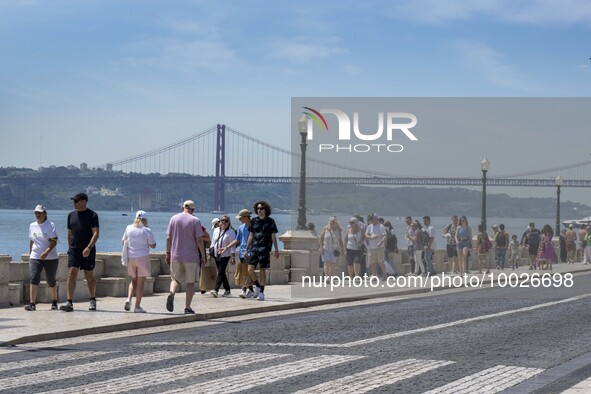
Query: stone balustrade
(111, 277)
(300, 257)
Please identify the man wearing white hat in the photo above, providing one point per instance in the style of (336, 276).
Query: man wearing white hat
(184, 250)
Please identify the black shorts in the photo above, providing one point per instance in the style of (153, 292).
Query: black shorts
(76, 260)
(262, 260)
(452, 250)
(533, 249)
(354, 256)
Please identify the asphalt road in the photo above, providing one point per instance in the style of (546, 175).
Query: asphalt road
(450, 342)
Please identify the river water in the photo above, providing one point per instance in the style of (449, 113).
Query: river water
(14, 226)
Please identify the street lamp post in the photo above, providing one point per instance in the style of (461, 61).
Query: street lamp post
(484, 166)
(303, 128)
(559, 182)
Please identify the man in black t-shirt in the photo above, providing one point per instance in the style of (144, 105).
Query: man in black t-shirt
(533, 241)
(83, 233)
(260, 242)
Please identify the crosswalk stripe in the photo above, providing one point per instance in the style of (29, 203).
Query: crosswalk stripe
(53, 374)
(249, 380)
(376, 377)
(489, 381)
(34, 362)
(169, 374)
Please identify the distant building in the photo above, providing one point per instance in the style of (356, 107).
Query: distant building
(109, 167)
(110, 193)
(83, 167)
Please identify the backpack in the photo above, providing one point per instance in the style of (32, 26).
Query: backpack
(425, 238)
(534, 238)
(488, 244)
(392, 243)
(206, 238)
(501, 239)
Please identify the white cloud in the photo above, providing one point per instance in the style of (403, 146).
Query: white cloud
(183, 55)
(492, 66)
(558, 12)
(352, 69)
(299, 51)
(438, 11)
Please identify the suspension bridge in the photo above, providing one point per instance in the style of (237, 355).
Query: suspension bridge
(223, 154)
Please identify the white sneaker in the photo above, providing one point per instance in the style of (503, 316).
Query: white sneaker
(127, 305)
(214, 294)
(243, 294)
(139, 309)
(250, 294)
(261, 296)
(256, 292)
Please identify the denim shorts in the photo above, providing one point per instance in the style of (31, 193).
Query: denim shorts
(50, 266)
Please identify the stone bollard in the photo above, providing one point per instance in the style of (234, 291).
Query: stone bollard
(4, 278)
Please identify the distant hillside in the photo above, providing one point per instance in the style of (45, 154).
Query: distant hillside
(418, 201)
(57, 185)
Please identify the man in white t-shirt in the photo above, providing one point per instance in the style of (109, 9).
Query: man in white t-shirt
(376, 236)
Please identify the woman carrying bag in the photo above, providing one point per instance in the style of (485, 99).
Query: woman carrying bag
(223, 235)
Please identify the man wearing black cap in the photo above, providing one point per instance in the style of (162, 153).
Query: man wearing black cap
(83, 233)
(533, 241)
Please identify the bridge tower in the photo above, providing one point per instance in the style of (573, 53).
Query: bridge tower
(220, 169)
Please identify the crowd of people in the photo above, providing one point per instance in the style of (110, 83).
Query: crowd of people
(186, 253)
(193, 254)
(370, 247)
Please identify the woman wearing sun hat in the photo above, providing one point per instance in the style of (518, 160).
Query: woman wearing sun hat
(139, 239)
(43, 256)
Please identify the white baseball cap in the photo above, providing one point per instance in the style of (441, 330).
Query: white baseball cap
(141, 214)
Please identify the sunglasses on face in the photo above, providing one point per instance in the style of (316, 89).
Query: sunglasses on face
(260, 208)
(224, 221)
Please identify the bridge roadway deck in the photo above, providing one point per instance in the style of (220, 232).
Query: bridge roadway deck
(359, 180)
(18, 326)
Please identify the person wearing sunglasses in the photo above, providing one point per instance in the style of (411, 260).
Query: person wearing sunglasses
(223, 236)
(83, 233)
(258, 248)
(241, 277)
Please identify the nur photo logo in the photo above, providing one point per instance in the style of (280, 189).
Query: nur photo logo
(391, 126)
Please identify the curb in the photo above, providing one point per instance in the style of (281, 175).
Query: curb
(164, 321)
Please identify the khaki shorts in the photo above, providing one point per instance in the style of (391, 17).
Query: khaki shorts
(184, 272)
(376, 255)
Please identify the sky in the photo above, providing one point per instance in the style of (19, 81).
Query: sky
(98, 81)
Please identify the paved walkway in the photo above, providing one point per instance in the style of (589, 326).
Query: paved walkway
(18, 326)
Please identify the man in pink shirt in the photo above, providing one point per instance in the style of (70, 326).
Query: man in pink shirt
(184, 250)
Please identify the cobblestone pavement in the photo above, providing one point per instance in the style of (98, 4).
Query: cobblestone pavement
(463, 341)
